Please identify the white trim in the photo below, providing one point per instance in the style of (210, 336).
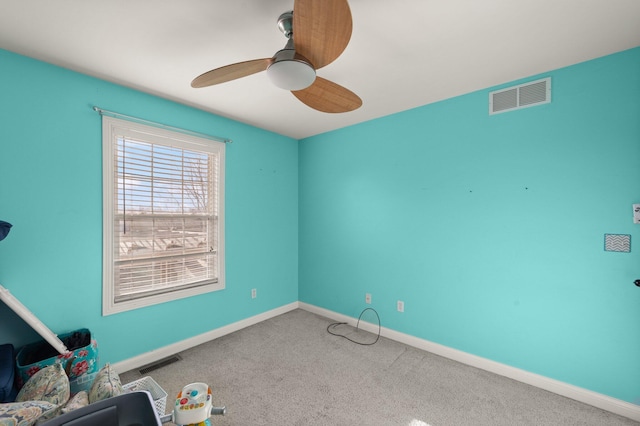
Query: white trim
(112, 128)
(604, 402)
(174, 348)
(594, 399)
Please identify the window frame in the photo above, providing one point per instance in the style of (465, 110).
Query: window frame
(112, 128)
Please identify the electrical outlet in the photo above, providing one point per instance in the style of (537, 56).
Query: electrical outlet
(254, 293)
(400, 306)
(367, 298)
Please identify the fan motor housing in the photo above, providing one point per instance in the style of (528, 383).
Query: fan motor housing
(290, 70)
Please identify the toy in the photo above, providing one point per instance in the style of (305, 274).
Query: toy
(193, 406)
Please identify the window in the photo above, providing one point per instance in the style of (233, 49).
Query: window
(163, 215)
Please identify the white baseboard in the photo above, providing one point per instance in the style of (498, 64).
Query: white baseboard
(174, 348)
(622, 408)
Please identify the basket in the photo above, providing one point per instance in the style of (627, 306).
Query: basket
(158, 394)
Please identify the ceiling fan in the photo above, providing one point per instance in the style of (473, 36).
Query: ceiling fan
(318, 31)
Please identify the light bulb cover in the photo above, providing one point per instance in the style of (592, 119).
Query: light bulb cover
(291, 74)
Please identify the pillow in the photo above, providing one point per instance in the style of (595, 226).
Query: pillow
(79, 400)
(50, 384)
(24, 413)
(105, 385)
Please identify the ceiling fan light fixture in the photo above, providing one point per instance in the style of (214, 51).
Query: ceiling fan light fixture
(291, 74)
(322, 32)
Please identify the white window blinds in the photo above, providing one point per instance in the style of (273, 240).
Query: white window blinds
(165, 214)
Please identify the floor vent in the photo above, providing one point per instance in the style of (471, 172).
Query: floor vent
(522, 96)
(159, 364)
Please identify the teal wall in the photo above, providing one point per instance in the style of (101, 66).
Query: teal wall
(51, 191)
(490, 228)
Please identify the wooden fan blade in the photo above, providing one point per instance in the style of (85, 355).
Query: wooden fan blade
(327, 96)
(231, 72)
(321, 29)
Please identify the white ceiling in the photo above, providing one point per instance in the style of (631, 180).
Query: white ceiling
(402, 54)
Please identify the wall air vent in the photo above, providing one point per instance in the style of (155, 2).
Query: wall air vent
(522, 96)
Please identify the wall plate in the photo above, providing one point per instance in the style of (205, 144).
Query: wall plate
(617, 242)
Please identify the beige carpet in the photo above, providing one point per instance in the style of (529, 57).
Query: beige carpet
(289, 371)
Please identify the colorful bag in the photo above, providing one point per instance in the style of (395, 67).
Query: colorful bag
(80, 363)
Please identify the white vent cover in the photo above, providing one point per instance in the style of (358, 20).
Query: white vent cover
(522, 96)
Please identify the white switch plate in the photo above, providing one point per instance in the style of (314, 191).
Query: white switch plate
(367, 298)
(636, 213)
(254, 293)
(400, 306)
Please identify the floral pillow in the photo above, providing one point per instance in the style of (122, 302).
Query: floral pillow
(24, 413)
(50, 384)
(79, 400)
(105, 385)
